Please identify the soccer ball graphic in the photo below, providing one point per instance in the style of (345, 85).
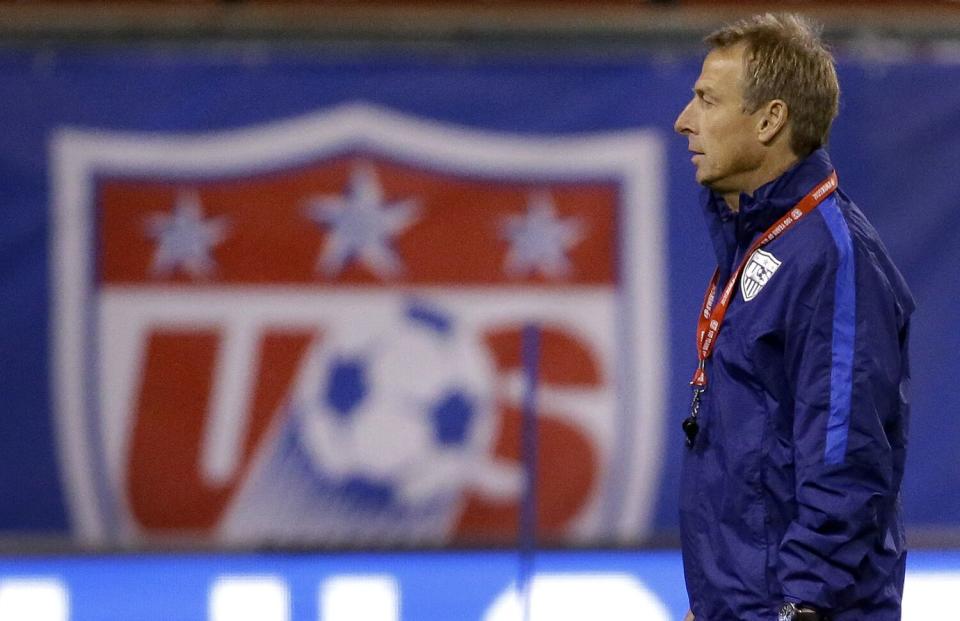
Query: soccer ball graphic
(392, 419)
(404, 406)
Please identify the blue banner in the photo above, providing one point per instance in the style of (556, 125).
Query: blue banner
(201, 336)
(471, 586)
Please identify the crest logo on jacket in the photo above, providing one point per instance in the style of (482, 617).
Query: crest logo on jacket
(759, 270)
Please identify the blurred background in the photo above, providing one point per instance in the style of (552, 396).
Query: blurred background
(385, 310)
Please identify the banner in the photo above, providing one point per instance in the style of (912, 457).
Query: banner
(310, 331)
(393, 300)
(413, 586)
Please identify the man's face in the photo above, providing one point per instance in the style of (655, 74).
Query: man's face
(720, 133)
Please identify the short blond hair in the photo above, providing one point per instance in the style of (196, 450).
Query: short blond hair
(785, 59)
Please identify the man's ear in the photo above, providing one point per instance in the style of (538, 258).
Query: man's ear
(772, 121)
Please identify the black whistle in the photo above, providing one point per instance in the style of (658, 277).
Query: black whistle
(690, 429)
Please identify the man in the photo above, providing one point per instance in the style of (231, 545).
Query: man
(790, 490)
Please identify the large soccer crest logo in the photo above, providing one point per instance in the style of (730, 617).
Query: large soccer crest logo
(312, 331)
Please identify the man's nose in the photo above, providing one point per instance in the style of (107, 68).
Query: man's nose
(682, 124)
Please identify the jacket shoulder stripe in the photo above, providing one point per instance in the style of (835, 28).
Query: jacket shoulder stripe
(844, 333)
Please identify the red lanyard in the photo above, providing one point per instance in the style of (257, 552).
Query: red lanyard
(711, 317)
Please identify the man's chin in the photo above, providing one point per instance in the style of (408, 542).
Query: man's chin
(705, 180)
(708, 180)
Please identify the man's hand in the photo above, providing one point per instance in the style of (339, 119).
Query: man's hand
(689, 616)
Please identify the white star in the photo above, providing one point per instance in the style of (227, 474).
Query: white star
(184, 238)
(539, 240)
(361, 226)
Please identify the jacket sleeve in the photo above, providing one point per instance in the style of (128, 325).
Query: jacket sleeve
(846, 362)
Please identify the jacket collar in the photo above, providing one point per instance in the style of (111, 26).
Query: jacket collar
(730, 231)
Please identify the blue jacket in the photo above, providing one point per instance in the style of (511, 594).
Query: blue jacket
(792, 488)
